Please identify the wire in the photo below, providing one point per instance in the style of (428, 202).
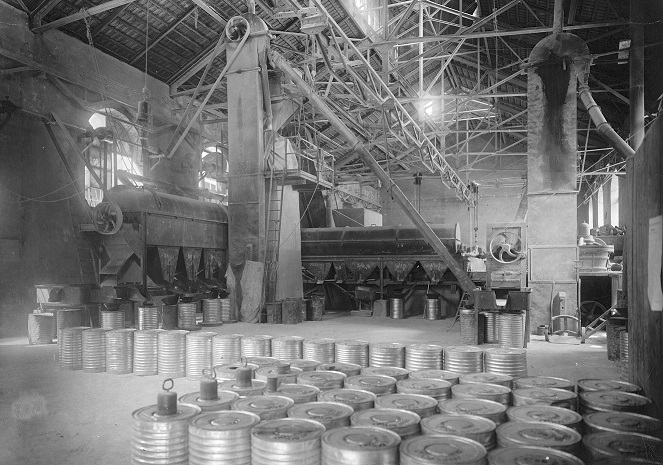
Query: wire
(37, 199)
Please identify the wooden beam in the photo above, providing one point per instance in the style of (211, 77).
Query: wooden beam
(95, 10)
(42, 10)
(195, 65)
(161, 36)
(112, 16)
(210, 10)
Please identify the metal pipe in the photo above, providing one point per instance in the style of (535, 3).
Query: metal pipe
(558, 17)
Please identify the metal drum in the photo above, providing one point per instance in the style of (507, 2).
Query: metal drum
(305, 365)
(261, 362)
(613, 401)
(266, 407)
(623, 446)
(355, 398)
(436, 388)
(396, 308)
(539, 434)
(490, 332)
(621, 422)
(531, 455)
(348, 369)
(212, 311)
(186, 315)
(510, 329)
(352, 351)
(494, 392)
(423, 357)
(284, 375)
(229, 371)
(402, 422)
(287, 348)
(146, 352)
(544, 382)
(222, 438)
(546, 413)
(168, 316)
(424, 406)
(226, 316)
(330, 414)
(320, 350)
(365, 445)
(171, 358)
(587, 385)
(480, 429)
(224, 401)
(395, 372)
(323, 380)
(483, 408)
(198, 353)
(545, 396)
(40, 328)
(386, 354)
(623, 346)
(256, 388)
(450, 376)
(441, 449)
(54, 324)
(506, 361)
(463, 359)
(70, 348)
(111, 319)
(469, 326)
(257, 346)
(299, 393)
(286, 441)
(486, 378)
(120, 351)
(94, 349)
(226, 348)
(377, 384)
(148, 318)
(432, 310)
(68, 318)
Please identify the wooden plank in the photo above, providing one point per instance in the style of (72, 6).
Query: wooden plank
(95, 10)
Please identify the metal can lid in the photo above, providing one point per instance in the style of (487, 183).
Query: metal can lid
(272, 370)
(423, 384)
(394, 372)
(149, 414)
(320, 377)
(288, 430)
(525, 455)
(321, 411)
(479, 390)
(544, 413)
(347, 396)
(479, 407)
(225, 398)
(490, 378)
(537, 434)
(607, 385)
(450, 376)
(623, 422)
(543, 382)
(225, 420)
(297, 390)
(263, 403)
(305, 365)
(627, 445)
(369, 381)
(361, 438)
(444, 449)
(405, 401)
(385, 418)
(263, 361)
(613, 400)
(545, 394)
(457, 424)
(340, 367)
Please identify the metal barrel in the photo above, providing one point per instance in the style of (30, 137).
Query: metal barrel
(305, 365)
(54, 324)
(168, 316)
(266, 407)
(257, 388)
(222, 438)
(355, 398)
(94, 349)
(299, 393)
(546, 413)
(435, 388)
(330, 414)
(483, 378)
(186, 315)
(148, 318)
(469, 326)
(539, 434)
(395, 372)
(432, 450)
(70, 348)
(396, 308)
(424, 357)
(365, 445)
(377, 384)
(321, 350)
(40, 328)
(463, 359)
(68, 318)
(432, 310)
(146, 352)
(287, 348)
(286, 441)
(531, 454)
(386, 354)
(352, 351)
(422, 405)
(510, 329)
(120, 351)
(348, 369)
(612, 401)
(112, 319)
(450, 376)
(623, 345)
(623, 447)
(198, 353)
(323, 380)
(228, 371)
(402, 422)
(481, 407)
(621, 422)
(212, 311)
(161, 439)
(226, 348)
(544, 382)
(490, 334)
(545, 396)
(257, 346)
(480, 429)
(224, 401)
(290, 377)
(506, 361)
(585, 385)
(171, 359)
(494, 392)
(226, 315)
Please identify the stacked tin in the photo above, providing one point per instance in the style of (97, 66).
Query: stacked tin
(510, 329)
(286, 440)
(431, 450)
(171, 358)
(330, 414)
(598, 401)
(305, 365)
(435, 388)
(544, 382)
(186, 315)
(481, 407)
(546, 413)
(463, 359)
(146, 350)
(282, 372)
(94, 349)
(323, 380)
(365, 445)
(148, 318)
(402, 422)
(112, 319)
(545, 396)
(473, 427)
(355, 398)
(287, 348)
(198, 353)
(395, 372)
(223, 438)
(257, 346)
(491, 334)
(539, 434)
(320, 350)
(352, 351)
(618, 422)
(226, 316)
(486, 378)
(212, 311)
(531, 454)
(423, 357)
(432, 310)
(422, 405)
(506, 361)
(226, 348)
(396, 308)
(494, 392)
(266, 407)
(70, 348)
(377, 384)
(387, 354)
(120, 351)
(40, 328)
(299, 393)
(348, 369)
(450, 376)
(623, 447)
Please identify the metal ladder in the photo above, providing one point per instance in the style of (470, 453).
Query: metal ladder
(273, 234)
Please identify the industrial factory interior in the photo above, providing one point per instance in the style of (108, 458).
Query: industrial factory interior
(330, 232)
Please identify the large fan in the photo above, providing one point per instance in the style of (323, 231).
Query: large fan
(506, 247)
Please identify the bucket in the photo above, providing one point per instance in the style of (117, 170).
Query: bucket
(432, 309)
(317, 308)
(396, 308)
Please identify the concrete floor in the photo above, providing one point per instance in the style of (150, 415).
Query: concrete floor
(48, 416)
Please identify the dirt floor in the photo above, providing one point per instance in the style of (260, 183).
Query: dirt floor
(48, 416)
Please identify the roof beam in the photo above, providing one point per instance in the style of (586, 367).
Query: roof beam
(42, 10)
(112, 16)
(196, 64)
(95, 10)
(210, 10)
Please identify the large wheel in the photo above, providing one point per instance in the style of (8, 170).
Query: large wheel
(506, 247)
(590, 310)
(107, 218)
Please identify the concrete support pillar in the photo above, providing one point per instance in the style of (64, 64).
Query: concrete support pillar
(606, 214)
